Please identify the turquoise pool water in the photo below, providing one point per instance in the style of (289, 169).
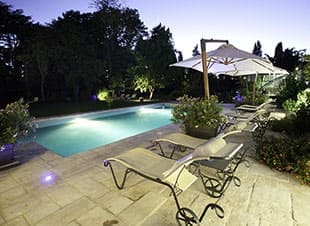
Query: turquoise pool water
(67, 136)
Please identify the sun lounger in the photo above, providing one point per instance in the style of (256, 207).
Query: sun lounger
(170, 173)
(235, 117)
(182, 142)
(253, 108)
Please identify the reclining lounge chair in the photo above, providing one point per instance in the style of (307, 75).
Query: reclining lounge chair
(182, 142)
(170, 173)
(253, 108)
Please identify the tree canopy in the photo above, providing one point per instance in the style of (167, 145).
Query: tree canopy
(78, 54)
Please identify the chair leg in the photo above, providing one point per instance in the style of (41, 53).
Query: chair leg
(187, 216)
(219, 211)
(118, 185)
(213, 186)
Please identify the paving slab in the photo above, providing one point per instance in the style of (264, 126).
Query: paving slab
(64, 194)
(68, 213)
(142, 209)
(99, 217)
(114, 202)
(19, 221)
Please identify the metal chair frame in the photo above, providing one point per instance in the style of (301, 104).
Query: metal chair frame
(183, 215)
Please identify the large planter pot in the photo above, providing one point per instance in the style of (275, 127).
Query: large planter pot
(6, 154)
(204, 132)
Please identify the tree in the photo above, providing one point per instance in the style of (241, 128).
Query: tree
(306, 68)
(180, 55)
(288, 59)
(101, 4)
(41, 54)
(15, 34)
(144, 83)
(116, 31)
(156, 54)
(257, 50)
(195, 51)
(74, 54)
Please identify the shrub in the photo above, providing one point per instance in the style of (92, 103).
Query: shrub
(302, 170)
(303, 101)
(105, 95)
(197, 112)
(290, 86)
(290, 155)
(258, 100)
(285, 125)
(15, 122)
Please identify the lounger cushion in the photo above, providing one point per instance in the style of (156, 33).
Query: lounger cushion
(217, 148)
(210, 147)
(145, 161)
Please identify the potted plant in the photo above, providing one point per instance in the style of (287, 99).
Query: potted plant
(199, 117)
(15, 123)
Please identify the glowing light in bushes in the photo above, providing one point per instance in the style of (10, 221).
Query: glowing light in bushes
(103, 95)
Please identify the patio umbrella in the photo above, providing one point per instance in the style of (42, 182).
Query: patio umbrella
(276, 72)
(228, 59)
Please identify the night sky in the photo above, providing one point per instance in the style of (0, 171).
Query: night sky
(242, 22)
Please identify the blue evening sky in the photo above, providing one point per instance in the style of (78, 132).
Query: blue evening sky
(242, 22)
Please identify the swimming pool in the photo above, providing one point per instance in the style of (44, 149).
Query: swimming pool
(70, 135)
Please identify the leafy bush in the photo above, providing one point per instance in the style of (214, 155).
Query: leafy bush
(258, 100)
(197, 112)
(290, 154)
(302, 170)
(284, 125)
(15, 122)
(105, 95)
(303, 101)
(291, 86)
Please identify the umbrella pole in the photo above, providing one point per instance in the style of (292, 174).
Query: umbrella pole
(204, 63)
(254, 87)
(205, 70)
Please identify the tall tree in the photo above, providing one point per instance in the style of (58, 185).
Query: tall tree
(116, 31)
(36, 59)
(15, 34)
(155, 55)
(74, 55)
(288, 59)
(180, 55)
(257, 50)
(195, 51)
(306, 68)
(101, 4)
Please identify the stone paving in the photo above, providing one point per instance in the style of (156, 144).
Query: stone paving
(82, 192)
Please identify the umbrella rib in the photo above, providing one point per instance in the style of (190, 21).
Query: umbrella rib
(270, 69)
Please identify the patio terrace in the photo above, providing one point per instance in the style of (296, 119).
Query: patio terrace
(83, 193)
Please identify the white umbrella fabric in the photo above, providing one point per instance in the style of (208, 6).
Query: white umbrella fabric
(230, 60)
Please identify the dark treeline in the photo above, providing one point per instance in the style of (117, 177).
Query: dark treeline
(78, 54)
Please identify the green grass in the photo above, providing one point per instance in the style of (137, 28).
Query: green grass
(65, 108)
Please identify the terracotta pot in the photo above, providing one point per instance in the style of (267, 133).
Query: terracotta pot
(204, 132)
(6, 154)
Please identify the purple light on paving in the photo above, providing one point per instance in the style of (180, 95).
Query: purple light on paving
(48, 178)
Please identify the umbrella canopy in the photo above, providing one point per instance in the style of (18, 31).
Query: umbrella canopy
(230, 60)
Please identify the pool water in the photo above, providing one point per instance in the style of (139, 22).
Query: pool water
(84, 133)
